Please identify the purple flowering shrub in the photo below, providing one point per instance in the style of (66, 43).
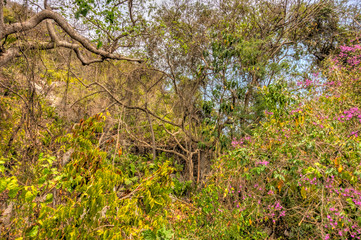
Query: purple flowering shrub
(299, 175)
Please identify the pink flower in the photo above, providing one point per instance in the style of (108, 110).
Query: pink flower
(267, 112)
(263, 163)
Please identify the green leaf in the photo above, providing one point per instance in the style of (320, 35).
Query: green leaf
(13, 192)
(41, 180)
(29, 196)
(33, 232)
(149, 235)
(351, 203)
(100, 44)
(49, 198)
(127, 181)
(2, 185)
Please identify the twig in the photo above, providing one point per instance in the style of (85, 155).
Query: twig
(89, 95)
(103, 227)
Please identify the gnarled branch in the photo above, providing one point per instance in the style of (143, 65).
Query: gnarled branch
(32, 22)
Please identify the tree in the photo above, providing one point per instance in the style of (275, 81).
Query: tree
(205, 61)
(13, 44)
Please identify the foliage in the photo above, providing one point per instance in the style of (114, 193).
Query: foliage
(299, 173)
(242, 123)
(89, 197)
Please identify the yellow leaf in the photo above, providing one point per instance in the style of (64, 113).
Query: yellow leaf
(120, 151)
(279, 185)
(303, 192)
(302, 120)
(340, 168)
(336, 161)
(250, 222)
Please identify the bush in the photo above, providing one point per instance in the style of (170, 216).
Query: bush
(299, 174)
(88, 198)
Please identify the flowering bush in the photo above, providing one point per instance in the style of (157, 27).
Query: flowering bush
(299, 175)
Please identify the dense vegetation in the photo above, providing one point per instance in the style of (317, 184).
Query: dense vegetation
(230, 119)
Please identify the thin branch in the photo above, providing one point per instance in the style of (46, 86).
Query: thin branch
(89, 95)
(168, 151)
(174, 137)
(109, 225)
(118, 133)
(145, 144)
(146, 110)
(107, 107)
(356, 22)
(130, 7)
(153, 135)
(21, 97)
(129, 195)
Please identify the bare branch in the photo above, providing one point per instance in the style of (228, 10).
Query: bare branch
(130, 6)
(46, 4)
(14, 92)
(68, 45)
(89, 95)
(62, 22)
(15, 51)
(8, 55)
(146, 110)
(175, 138)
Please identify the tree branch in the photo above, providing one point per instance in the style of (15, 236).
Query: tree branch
(74, 47)
(89, 95)
(2, 25)
(146, 110)
(8, 55)
(64, 25)
(15, 51)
